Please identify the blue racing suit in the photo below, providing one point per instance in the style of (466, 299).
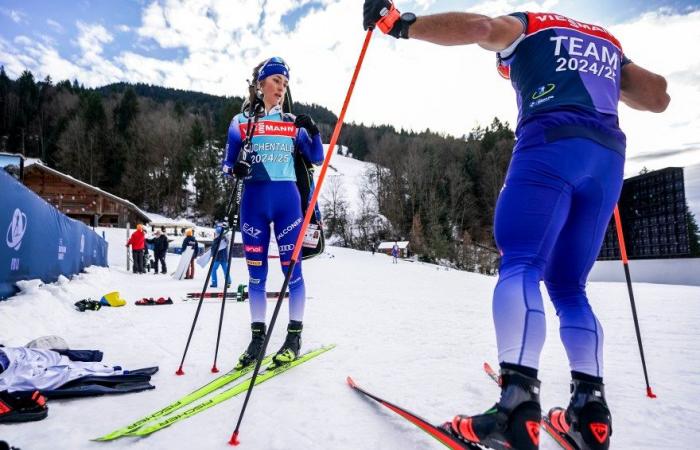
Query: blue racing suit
(562, 184)
(270, 196)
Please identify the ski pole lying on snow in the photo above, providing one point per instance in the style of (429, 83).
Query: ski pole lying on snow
(215, 249)
(302, 231)
(623, 254)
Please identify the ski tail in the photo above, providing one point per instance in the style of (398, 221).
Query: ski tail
(441, 435)
(558, 437)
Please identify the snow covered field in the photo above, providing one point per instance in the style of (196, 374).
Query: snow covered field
(409, 332)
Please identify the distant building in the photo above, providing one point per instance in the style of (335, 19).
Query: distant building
(173, 227)
(80, 200)
(386, 246)
(654, 216)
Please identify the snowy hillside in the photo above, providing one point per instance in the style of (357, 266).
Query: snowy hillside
(410, 332)
(349, 175)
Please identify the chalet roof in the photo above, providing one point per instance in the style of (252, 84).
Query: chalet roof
(160, 220)
(390, 244)
(37, 164)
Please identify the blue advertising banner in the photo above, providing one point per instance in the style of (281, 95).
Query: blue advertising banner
(41, 242)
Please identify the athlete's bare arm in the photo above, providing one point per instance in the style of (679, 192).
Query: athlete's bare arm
(643, 90)
(457, 28)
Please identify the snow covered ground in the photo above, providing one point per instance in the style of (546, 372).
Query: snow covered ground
(411, 332)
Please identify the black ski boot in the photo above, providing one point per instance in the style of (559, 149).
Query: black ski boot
(513, 422)
(587, 421)
(292, 344)
(254, 348)
(22, 407)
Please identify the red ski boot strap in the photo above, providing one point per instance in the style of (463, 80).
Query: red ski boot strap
(4, 408)
(39, 399)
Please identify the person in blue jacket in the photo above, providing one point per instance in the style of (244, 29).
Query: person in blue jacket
(562, 185)
(221, 259)
(265, 161)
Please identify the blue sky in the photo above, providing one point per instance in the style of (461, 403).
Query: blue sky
(211, 46)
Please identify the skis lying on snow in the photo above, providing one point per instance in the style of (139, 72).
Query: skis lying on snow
(564, 441)
(151, 424)
(193, 396)
(443, 435)
(195, 295)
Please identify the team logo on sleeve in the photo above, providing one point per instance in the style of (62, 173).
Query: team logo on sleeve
(542, 91)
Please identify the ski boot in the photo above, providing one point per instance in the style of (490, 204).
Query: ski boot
(22, 407)
(292, 344)
(513, 422)
(254, 348)
(587, 422)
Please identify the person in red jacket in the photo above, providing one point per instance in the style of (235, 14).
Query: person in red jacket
(138, 243)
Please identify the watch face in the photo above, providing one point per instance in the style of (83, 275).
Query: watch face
(408, 17)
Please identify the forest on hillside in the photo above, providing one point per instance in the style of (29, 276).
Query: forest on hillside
(156, 145)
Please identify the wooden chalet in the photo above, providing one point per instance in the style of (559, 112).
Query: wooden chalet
(80, 200)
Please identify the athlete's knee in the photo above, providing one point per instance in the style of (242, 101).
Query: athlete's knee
(296, 283)
(529, 267)
(566, 293)
(256, 284)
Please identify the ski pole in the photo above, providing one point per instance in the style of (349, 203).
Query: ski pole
(623, 254)
(233, 224)
(300, 239)
(214, 251)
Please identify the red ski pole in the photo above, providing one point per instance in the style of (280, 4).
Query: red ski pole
(300, 239)
(623, 254)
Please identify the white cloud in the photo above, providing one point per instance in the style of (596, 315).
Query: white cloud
(495, 8)
(14, 15)
(652, 41)
(57, 27)
(91, 40)
(123, 28)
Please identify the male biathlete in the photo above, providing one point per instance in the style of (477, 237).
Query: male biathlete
(562, 185)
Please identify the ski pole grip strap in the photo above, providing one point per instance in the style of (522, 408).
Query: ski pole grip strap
(386, 23)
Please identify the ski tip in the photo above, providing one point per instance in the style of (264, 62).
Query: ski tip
(351, 382)
(179, 372)
(650, 394)
(234, 439)
(214, 370)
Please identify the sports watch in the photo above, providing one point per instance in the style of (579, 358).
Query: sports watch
(407, 19)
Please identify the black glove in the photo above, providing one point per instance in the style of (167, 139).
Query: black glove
(241, 169)
(304, 121)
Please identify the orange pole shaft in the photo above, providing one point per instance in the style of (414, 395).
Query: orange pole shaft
(331, 150)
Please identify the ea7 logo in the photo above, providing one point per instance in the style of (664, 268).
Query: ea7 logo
(16, 230)
(250, 231)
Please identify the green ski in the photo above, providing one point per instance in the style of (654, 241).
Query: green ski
(213, 385)
(225, 395)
